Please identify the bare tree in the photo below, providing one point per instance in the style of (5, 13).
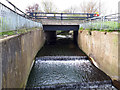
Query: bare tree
(71, 10)
(34, 8)
(93, 6)
(102, 9)
(89, 7)
(99, 6)
(48, 6)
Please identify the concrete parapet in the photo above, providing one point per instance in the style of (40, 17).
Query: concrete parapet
(104, 49)
(18, 54)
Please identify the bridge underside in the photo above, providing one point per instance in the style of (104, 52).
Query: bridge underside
(60, 27)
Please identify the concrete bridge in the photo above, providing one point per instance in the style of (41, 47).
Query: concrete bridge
(17, 52)
(63, 25)
(53, 22)
(60, 21)
(51, 26)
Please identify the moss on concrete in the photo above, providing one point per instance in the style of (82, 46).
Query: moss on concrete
(80, 29)
(19, 31)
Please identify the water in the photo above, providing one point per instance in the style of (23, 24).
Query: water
(64, 66)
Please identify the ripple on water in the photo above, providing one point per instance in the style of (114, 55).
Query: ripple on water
(64, 66)
(64, 73)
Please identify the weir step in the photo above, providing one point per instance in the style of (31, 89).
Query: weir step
(67, 73)
(78, 86)
(65, 58)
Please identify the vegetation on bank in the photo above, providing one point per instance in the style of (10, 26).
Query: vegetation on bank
(20, 31)
(108, 26)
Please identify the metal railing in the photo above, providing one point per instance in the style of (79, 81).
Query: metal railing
(11, 20)
(109, 22)
(61, 16)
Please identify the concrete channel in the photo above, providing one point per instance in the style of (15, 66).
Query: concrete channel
(63, 66)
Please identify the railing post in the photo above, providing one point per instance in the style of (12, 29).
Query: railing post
(61, 16)
(87, 16)
(35, 16)
(118, 24)
(101, 23)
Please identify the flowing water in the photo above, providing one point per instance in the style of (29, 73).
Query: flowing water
(63, 66)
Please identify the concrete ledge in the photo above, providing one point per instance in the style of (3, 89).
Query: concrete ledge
(60, 22)
(104, 49)
(18, 54)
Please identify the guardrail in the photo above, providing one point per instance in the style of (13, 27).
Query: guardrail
(109, 22)
(11, 20)
(61, 16)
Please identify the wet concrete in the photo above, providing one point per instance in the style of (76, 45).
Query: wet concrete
(63, 66)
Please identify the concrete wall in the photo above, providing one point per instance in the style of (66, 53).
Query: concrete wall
(75, 36)
(50, 36)
(104, 49)
(18, 54)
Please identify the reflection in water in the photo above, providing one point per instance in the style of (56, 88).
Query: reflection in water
(64, 36)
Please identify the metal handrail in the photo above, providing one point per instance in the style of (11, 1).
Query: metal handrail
(16, 8)
(61, 13)
(108, 22)
(62, 16)
(10, 20)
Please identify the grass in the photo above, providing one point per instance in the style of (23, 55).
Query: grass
(111, 25)
(108, 26)
(20, 31)
(7, 33)
(81, 28)
(4, 26)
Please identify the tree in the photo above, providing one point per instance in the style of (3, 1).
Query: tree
(89, 7)
(33, 8)
(71, 10)
(102, 9)
(93, 6)
(48, 6)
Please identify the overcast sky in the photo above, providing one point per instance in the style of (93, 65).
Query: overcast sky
(110, 5)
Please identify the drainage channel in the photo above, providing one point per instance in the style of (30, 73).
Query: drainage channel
(63, 66)
(72, 72)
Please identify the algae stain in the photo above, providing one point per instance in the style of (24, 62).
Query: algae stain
(3, 81)
(115, 40)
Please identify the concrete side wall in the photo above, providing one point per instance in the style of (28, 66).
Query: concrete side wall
(119, 55)
(104, 49)
(18, 54)
(75, 36)
(50, 36)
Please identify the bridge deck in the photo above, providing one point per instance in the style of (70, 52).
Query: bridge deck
(60, 22)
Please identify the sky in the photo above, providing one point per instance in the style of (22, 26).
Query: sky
(111, 6)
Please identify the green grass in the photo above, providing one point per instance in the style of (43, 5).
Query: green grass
(81, 28)
(108, 26)
(7, 33)
(20, 31)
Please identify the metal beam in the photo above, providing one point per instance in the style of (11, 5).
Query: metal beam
(60, 27)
